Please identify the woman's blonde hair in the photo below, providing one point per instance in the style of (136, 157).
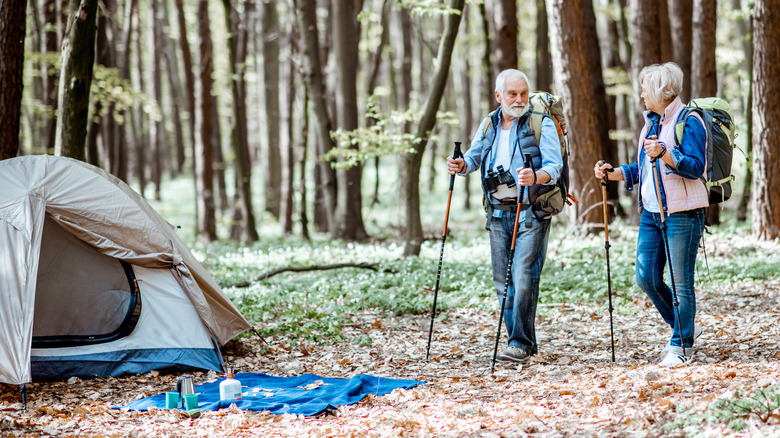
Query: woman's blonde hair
(662, 82)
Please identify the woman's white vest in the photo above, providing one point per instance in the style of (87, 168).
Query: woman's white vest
(682, 194)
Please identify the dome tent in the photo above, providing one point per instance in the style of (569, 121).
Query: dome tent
(93, 282)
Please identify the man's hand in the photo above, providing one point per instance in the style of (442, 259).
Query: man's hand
(526, 176)
(455, 165)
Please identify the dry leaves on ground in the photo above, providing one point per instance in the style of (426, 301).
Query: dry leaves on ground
(572, 388)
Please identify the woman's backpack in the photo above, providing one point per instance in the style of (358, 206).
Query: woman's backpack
(719, 122)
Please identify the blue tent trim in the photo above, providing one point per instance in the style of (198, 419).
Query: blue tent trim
(123, 362)
(308, 394)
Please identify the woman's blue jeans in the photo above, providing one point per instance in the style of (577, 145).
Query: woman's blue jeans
(683, 232)
(523, 291)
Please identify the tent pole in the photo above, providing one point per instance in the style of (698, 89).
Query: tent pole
(23, 391)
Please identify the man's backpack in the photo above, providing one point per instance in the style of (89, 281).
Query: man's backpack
(550, 202)
(719, 122)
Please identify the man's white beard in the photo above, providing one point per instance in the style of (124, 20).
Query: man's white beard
(517, 110)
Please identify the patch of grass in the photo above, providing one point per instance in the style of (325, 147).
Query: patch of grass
(733, 412)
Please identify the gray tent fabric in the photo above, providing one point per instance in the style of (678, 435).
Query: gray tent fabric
(84, 204)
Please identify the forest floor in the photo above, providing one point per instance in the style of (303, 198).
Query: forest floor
(572, 388)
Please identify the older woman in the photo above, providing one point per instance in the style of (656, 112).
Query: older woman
(677, 173)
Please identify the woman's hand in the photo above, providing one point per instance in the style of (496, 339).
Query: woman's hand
(654, 148)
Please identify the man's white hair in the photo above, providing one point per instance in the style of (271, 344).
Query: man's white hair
(507, 74)
(662, 82)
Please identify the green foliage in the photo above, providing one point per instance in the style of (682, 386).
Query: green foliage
(108, 88)
(385, 136)
(731, 412)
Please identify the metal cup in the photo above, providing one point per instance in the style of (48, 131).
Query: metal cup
(185, 385)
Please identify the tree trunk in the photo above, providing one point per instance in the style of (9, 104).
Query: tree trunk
(310, 48)
(544, 71)
(189, 76)
(645, 33)
(681, 24)
(466, 109)
(349, 214)
(78, 58)
(288, 151)
(577, 61)
(237, 41)
(156, 125)
(487, 71)
(142, 141)
(125, 130)
(272, 161)
(505, 19)
(664, 29)
(704, 81)
(12, 32)
(411, 180)
(50, 74)
(204, 173)
(174, 82)
(304, 216)
(766, 120)
(745, 34)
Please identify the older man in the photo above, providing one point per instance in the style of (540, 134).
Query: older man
(498, 148)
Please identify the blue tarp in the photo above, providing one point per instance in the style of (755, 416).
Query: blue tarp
(308, 394)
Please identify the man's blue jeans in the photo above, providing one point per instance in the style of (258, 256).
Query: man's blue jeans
(683, 230)
(523, 292)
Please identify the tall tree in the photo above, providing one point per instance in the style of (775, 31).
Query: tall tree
(174, 84)
(189, 75)
(51, 44)
(349, 215)
(237, 43)
(12, 31)
(504, 14)
(745, 35)
(577, 61)
(158, 148)
(704, 81)
(305, 11)
(413, 160)
(766, 120)
(272, 161)
(204, 150)
(645, 34)
(544, 72)
(78, 58)
(681, 24)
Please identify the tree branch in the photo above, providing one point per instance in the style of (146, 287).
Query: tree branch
(272, 272)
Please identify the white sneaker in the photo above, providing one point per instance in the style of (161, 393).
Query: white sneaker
(675, 358)
(697, 331)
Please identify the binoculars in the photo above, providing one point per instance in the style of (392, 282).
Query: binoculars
(499, 183)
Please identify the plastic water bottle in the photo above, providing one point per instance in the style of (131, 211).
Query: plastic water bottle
(230, 388)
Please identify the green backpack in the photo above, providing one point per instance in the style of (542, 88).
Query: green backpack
(542, 103)
(719, 122)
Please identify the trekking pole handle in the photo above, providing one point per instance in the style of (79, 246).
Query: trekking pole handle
(611, 169)
(455, 155)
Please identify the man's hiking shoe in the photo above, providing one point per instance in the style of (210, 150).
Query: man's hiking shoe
(696, 333)
(674, 357)
(513, 354)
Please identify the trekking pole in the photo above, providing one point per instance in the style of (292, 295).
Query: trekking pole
(606, 249)
(675, 301)
(455, 154)
(526, 164)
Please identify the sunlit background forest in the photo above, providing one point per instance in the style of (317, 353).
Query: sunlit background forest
(289, 133)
